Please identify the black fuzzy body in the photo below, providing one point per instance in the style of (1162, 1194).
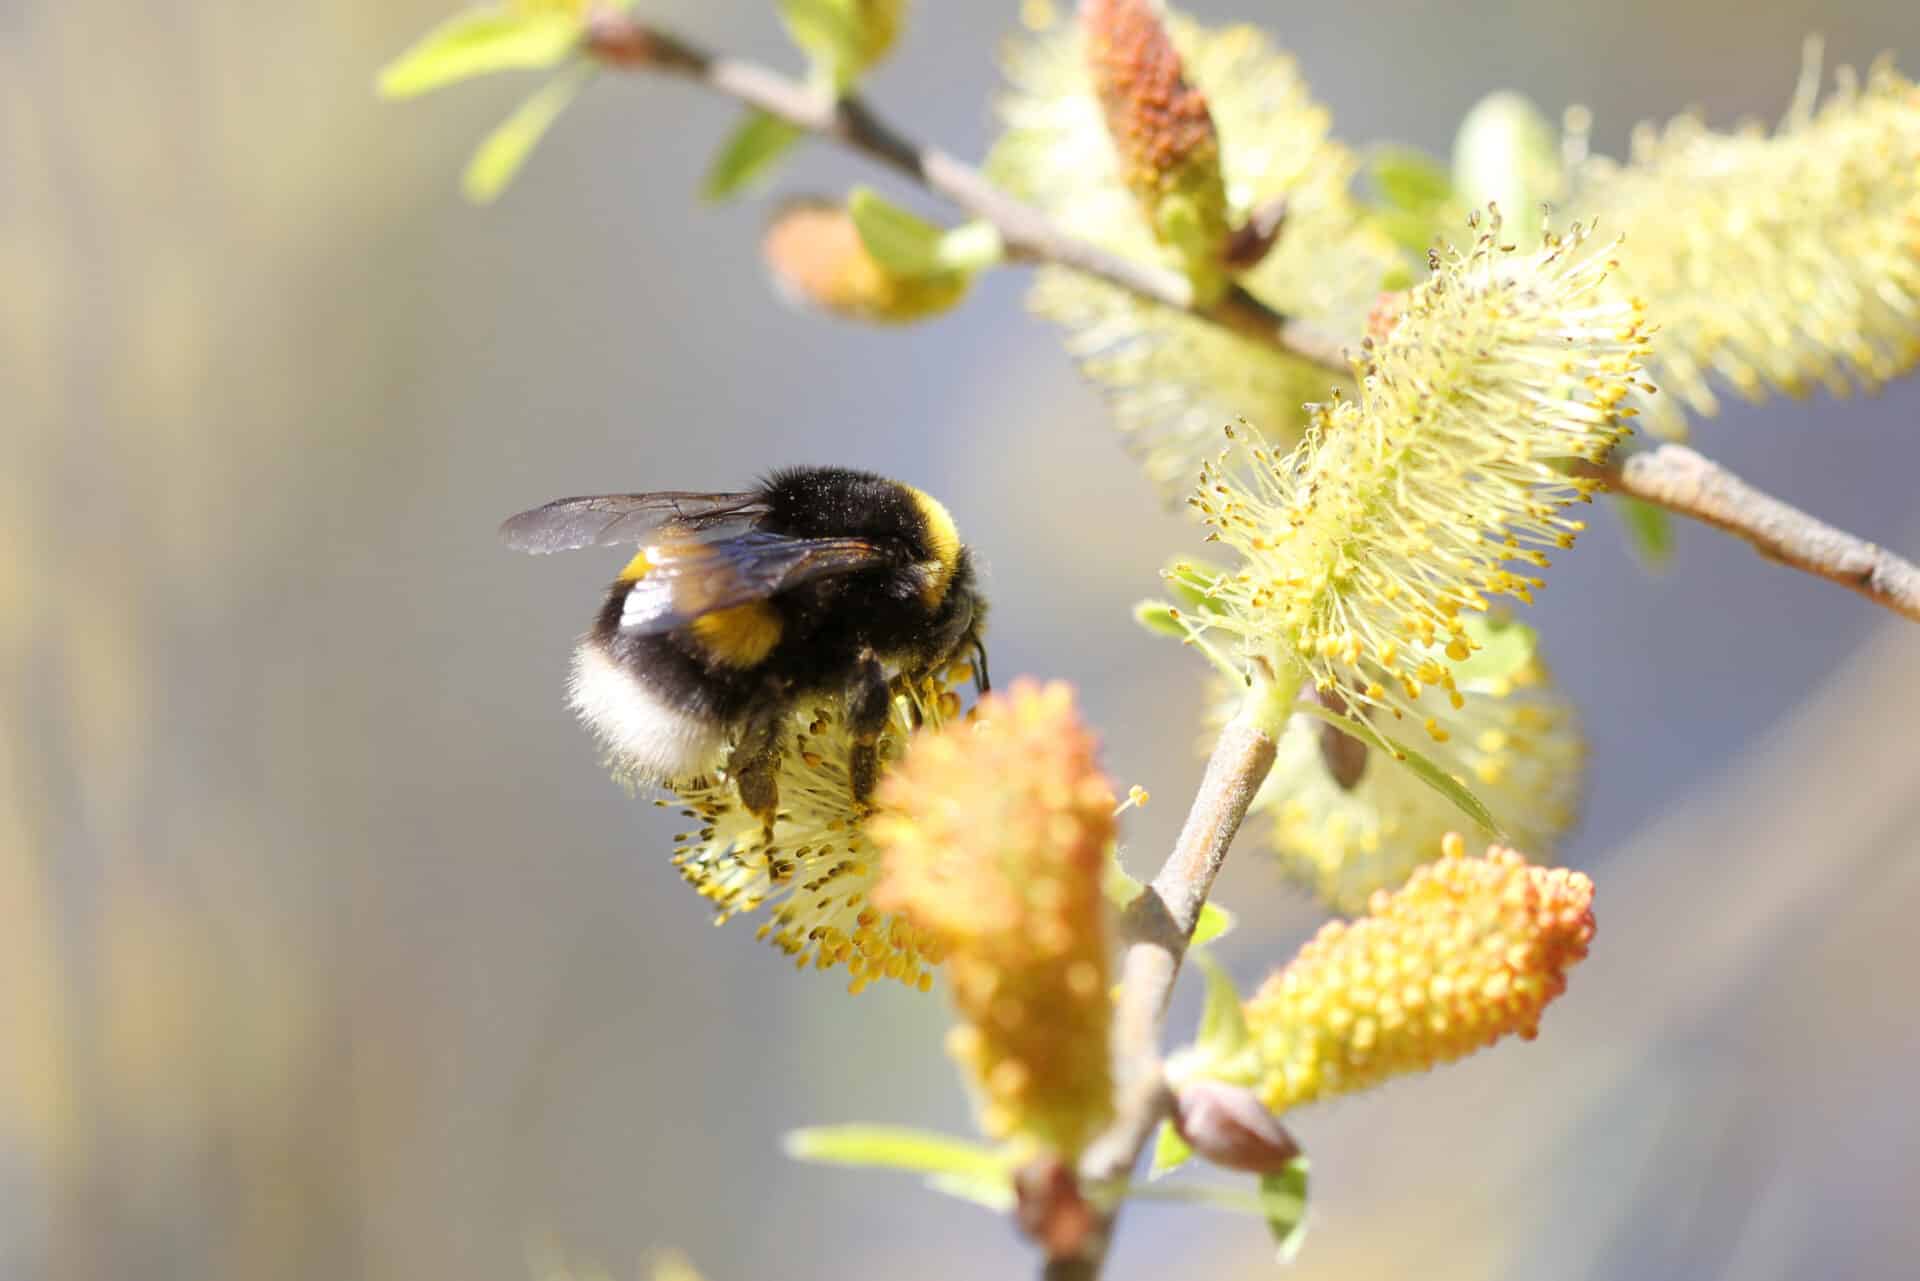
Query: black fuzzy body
(830, 628)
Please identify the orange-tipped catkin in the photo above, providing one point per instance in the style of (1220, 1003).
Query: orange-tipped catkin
(818, 260)
(1161, 128)
(1468, 951)
(995, 836)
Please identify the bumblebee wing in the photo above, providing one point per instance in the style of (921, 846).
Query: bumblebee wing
(603, 520)
(685, 580)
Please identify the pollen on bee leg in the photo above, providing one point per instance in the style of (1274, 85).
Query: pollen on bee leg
(813, 861)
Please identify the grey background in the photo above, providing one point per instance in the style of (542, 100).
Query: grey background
(329, 950)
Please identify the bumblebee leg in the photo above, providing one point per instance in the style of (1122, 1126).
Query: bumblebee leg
(755, 763)
(869, 698)
(980, 682)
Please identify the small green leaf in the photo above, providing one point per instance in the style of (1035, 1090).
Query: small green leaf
(1160, 618)
(1399, 276)
(1649, 530)
(969, 248)
(1223, 1026)
(1448, 786)
(891, 1147)
(1284, 1205)
(1412, 196)
(1508, 152)
(1195, 585)
(956, 1167)
(499, 156)
(477, 44)
(1505, 646)
(1408, 178)
(828, 32)
(1215, 922)
(1284, 1198)
(1423, 768)
(1121, 889)
(993, 1192)
(747, 159)
(903, 243)
(1170, 1152)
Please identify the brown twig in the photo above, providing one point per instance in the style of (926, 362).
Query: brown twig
(1684, 482)
(1028, 234)
(1157, 927)
(1677, 479)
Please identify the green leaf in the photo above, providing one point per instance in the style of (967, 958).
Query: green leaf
(1412, 196)
(891, 1147)
(1649, 530)
(991, 1192)
(1121, 889)
(956, 1167)
(477, 44)
(828, 32)
(1505, 646)
(500, 155)
(1283, 1205)
(1508, 152)
(904, 244)
(970, 248)
(747, 159)
(1448, 786)
(1195, 585)
(1160, 618)
(1283, 1197)
(1408, 178)
(1423, 768)
(1170, 1152)
(1215, 922)
(1223, 1026)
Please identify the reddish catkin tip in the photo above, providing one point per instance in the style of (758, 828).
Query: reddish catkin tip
(995, 836)
(1161, 128)
(1470, 950)
(817, 259)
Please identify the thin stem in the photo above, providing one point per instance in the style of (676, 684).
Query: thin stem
(1157, 927)
(1682, 481)
(1028, 234)
(1679, 480)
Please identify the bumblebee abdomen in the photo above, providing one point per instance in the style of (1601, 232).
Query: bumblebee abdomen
(740, 637)
(651, 730)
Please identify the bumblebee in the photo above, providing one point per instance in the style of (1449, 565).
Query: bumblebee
(822, 581)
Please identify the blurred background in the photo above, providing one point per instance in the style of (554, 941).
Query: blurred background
(327, 949)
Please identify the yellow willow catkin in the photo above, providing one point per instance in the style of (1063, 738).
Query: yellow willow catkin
(1170, 378)
(815, 867)
(1364, 552)
(817, 259)
(996, 835)
(1469, 951)
(1515, 742)
(1163, 136)
(1774, 262)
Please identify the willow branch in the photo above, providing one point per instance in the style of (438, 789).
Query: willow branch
(1684, 482)
(1028, 234)
(1679, 480)
(1158, 926)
